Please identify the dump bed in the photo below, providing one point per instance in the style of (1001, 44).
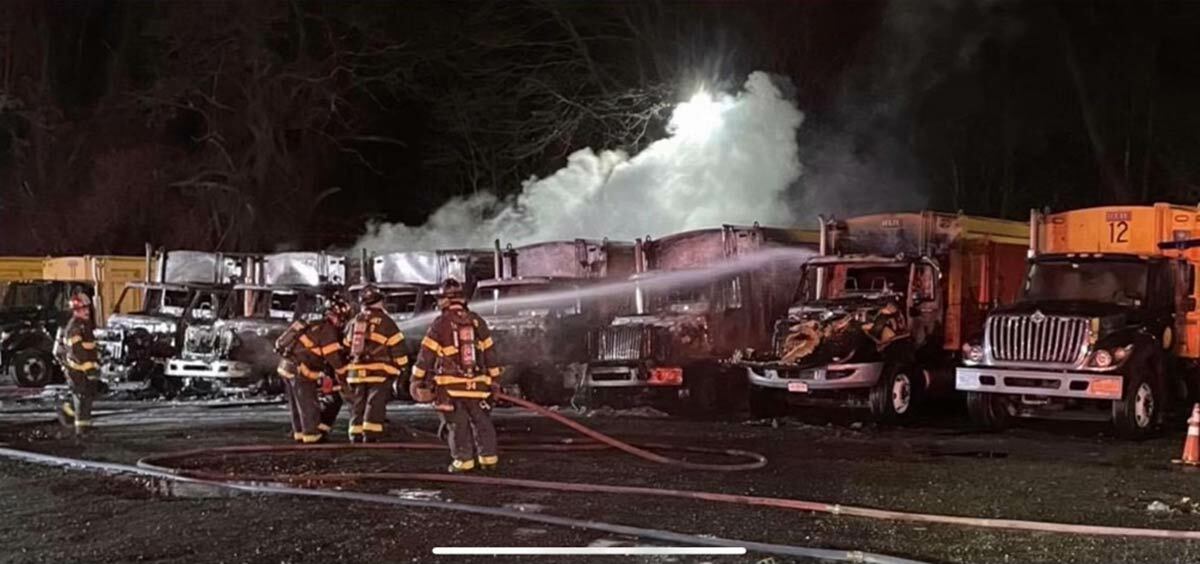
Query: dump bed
(108, 275)
(706, 247)
(20, 268)
(579, 259)
(430, 268)
(921, 233)
(303, 269)
(198, 267)
(1135, 230)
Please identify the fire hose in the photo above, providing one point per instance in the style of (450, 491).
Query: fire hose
(160, 465)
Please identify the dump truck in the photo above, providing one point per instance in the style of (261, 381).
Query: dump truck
(235, 353)
(152, 316)
(695, 298)
(541, 306)
(880, 315)
(1106, 326)
(33, 310)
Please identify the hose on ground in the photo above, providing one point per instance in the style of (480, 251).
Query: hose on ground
(610, 528)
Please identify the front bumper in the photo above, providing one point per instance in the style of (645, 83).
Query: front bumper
(615, 377)
(832, 377)
(1078, 385)
(217, 369)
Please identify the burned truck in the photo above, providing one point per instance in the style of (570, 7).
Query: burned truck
(540, 308)
(1106, 326)
(695, 299)
(235, 353)
(187, 287)
(880, 315)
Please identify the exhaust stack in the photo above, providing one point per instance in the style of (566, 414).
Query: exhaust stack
(498, 261)
(363, 267)
(149, 262)
(639, 267)
(1035, 235)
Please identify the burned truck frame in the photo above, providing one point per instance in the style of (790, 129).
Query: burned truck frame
(188, 287)
(697, 297)
(879, 316)
(235, 353)
(539, 310)
(1106, 326)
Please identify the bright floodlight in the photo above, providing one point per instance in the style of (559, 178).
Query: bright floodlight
(698, 117)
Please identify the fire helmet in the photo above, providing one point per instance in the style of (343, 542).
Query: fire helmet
(370, 295)
(338, 307)
(80, 301)
(452, 289)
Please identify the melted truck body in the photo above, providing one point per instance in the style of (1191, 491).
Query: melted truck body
(1105, 327)
(235, 352)
(698, 297)
(540, 310)
(879, 318)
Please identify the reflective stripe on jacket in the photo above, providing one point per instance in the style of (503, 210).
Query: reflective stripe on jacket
(442, 356)
(383, 354)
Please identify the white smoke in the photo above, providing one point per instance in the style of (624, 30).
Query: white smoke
(729, 159)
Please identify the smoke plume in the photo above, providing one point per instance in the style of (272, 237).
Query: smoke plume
(729, 158)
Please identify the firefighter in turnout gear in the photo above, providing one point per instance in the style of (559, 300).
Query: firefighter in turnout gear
(311, 352)
(456, 355)
(77, 352)
(377, 357)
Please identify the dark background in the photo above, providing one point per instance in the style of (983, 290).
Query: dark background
(260, 125)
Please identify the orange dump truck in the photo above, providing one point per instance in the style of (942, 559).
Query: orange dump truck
(1106, 325)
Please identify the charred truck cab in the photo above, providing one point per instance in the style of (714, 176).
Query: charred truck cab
(698, 297)
(539, 309)
(1106, 325)
(878, 318)
(187, 287)
(235, 353)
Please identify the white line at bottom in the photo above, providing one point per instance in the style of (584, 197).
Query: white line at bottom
(587, 550)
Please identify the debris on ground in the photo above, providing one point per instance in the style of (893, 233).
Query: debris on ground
(645, 412)
(1159, 507)
(415, 494)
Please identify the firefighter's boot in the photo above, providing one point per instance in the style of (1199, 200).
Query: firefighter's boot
(461, 466)
(66, 415)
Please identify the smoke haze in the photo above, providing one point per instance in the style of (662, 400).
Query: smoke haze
(728, 159)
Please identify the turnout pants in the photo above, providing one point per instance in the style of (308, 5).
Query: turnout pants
(368, 408)
(472, 434)
(306, 412)
(331, 405)
(83, 394)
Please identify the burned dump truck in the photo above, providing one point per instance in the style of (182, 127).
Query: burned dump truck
(410, 282)
(538, 307)
(188, 287)
(235, 353)
(880, 315)
(1106, 326)
(696, 298)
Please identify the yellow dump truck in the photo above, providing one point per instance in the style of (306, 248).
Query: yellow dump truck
(34, 305)
(1106, 326)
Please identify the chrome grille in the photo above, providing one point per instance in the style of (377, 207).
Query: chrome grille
(1029, 338)
(619, 343)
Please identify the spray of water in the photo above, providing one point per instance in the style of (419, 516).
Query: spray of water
(657, 281)
(728, 159)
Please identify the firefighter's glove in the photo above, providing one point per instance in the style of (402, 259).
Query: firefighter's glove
(420, 392)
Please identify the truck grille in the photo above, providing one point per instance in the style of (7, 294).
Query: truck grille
(1022, 338)
(629, 342)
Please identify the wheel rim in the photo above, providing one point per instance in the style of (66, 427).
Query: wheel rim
(901, 393)
(1143, 406)
(35, 370)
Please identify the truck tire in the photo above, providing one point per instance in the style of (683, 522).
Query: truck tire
(988, 411)
(766, 403)
(895, 396)
(1138, 413)
(33, 368)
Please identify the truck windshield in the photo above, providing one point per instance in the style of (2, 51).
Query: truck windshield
(400, 303)
(854, 280)
(1106, 281)
(26, 295)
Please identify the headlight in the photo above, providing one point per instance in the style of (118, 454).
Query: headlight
(1108, 358)
(972, 353)
(1102, 359)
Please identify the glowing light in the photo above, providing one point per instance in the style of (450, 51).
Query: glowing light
(698, 117)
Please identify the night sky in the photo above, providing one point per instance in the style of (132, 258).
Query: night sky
(262, 125)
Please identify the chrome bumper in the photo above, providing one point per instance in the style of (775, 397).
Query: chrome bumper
(832, 377)
(615, 377)
(218, 369)
(1039, 383)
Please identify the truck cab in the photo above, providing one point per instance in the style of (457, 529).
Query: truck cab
(877, 317)
(31, 312)
(235, 352)
(1103, 328)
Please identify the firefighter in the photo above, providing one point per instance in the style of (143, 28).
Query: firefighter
(311, 352)
(377, 357)
(78, 355)
(457, 353)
